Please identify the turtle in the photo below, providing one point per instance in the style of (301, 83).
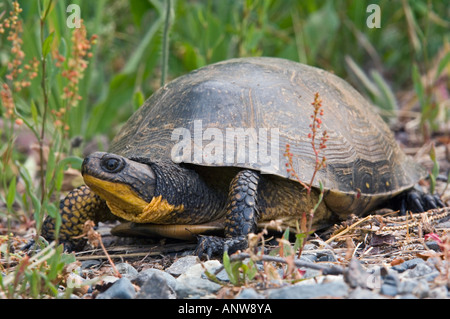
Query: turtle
(204, 158)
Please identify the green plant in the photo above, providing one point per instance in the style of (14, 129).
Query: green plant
(36, 98)
(37, 276)
(239, 272)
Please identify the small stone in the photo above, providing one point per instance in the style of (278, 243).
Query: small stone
(422, 289)
(409, 264)
(146, 274)
(191, 284)
(121, 289)
(91, 263)
(326, 256)
(356, 275)
(156, 287)
(388, 290)
(223, 276)
(422, 270)
(417, 288)
(308, 257)
(433, 245)
(389, 287)
(331, 289)
(440, 292)
(181, 265)
(249, 293)
(360, 293)
(126, 270)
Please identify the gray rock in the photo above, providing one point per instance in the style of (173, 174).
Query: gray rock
(422, 270)
(249, 293)
(191, 284)
(360, 293)
(308, 257)
(417, 288)
(181, 265)
(91, 263)
(305, 291)
(156, 287)
(388, 290)
(326, 256)
(406, 286)
(422, 289)
(222, 276)
(431, 244)
(389, 287)
(126, 270)
(355, 275)
(146, 274)
(440, 292)
(409, 264)
(121, 289)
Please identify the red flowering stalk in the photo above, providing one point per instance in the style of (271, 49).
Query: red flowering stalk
(77, 63)
(7, 101)
(306, 225)
(74, 71)
(316, 124)
(319, 162)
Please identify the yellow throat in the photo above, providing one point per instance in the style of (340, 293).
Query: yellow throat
(125, 203)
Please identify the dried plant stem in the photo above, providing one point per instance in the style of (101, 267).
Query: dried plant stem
(95, 239)
(349, 228)
(109, 258)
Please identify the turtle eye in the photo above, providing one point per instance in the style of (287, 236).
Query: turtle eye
(112, 164)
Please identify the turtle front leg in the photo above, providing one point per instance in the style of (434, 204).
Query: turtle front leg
(80, 205)
(241, 216)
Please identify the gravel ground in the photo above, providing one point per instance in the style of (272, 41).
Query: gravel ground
(171, 272)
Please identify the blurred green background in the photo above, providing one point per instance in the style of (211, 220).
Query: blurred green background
(127, 62)
(401, 65)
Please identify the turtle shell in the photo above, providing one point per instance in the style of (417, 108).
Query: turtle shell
(243, 112)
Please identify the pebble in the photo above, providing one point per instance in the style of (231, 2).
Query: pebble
(186, 279)
(156, 287)
(356, 276)
(408, 264)
(332, 289)
(145, 276)
(126, 270)
(250, 293)
(121, 289)
(192, 284)
(181, 265)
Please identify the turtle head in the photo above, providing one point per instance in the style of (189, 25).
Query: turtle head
(127, 186)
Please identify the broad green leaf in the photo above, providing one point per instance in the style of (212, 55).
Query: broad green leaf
(138, 99)
(11, 193)
(47, 44)
(418, 86)
(442, 64)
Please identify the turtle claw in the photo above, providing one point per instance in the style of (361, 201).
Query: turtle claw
(418, 202)
(213, 245)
